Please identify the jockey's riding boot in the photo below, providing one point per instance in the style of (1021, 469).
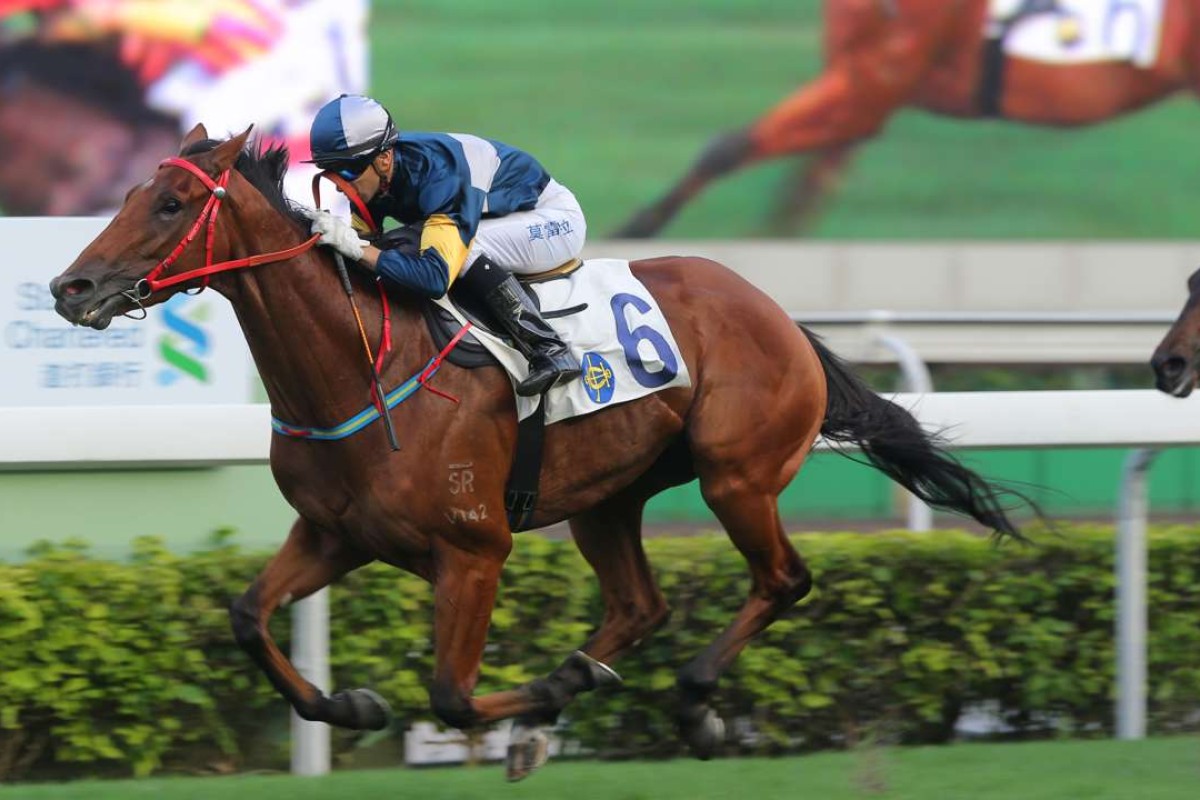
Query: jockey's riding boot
(550, 360)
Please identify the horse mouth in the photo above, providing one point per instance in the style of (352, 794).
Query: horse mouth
(1185, 386)
(1176, 382)
(99, 315)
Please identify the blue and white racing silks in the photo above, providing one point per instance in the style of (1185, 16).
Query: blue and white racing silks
(451, 181)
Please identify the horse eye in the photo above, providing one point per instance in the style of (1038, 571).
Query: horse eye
(170, 206)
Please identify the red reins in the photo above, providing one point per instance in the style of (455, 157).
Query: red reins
(152, 282)
(351, 194)
(385, 343)
(208, 217)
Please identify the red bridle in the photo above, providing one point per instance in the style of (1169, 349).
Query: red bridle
(152, 282)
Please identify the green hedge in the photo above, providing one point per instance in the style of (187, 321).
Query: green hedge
(131, 667)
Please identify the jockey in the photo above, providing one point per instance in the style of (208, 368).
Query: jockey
(488, 210)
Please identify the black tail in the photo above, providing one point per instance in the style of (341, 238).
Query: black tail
(894, 442)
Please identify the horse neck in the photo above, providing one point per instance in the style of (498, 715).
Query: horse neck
(301, 328)
(1192, 44)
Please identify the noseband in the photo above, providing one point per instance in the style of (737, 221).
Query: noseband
(145, 287)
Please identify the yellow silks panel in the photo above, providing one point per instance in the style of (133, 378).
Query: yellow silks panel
(442, 234)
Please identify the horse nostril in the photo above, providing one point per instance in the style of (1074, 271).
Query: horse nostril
(1172, 366)
(76, 290)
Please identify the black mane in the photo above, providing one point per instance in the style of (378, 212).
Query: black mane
(264, 168)
(91, 73)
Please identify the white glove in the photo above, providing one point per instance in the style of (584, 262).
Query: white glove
(335, 233)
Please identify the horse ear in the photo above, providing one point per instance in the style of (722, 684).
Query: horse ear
(196, 134)
(225, 154)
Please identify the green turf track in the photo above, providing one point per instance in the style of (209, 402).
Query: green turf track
(1158, 769)
(616, 98)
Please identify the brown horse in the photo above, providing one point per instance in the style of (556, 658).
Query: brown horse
(884, 55)
(1176, 360)
(75, 130)
(762, 391)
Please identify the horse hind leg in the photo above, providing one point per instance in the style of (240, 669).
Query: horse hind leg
(309, 560)
(780, 578)
(728, 152)
(807, 190)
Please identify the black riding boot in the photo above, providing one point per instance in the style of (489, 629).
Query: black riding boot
(550, 361)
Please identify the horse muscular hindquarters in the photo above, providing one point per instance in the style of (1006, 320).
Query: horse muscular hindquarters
(885, 55)
(762, 391)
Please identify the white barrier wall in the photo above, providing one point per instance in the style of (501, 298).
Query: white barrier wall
(946, 276)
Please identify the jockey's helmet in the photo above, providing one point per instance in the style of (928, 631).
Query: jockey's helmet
(350, 131)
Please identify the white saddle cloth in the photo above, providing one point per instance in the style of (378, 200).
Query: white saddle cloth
(1086, 31)
(615, 330)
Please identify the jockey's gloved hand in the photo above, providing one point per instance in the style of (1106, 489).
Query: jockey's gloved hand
(336, 233)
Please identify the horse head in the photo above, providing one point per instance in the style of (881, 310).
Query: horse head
(153, 233)
(75, 129)
(1176, 360)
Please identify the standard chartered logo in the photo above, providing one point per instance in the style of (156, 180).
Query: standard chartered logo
(186, 344)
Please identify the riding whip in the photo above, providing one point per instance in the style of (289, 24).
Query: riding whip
(380, 397)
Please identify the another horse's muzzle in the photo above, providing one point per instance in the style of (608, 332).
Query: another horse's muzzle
(1174, 374)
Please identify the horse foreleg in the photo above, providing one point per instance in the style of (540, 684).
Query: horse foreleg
(464, 593)
(465, 586)
(609, 537)
(806, 191)
(779, 579)
(309, 560)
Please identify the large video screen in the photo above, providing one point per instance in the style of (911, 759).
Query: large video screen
(888, 119)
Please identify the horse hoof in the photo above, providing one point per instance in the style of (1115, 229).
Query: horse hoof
(365, 710)
(528, 749)
(706, 735)
(599, 673)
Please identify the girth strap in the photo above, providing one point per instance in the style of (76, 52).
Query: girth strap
(520, 496)
(990, 96)
(991, 81)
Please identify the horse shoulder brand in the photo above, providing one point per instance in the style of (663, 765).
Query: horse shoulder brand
(462, 478)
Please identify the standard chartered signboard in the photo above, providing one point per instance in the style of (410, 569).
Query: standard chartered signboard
(189, 350)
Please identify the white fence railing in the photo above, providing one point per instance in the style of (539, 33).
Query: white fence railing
(994, 337)
(82, 437)
(151, 436)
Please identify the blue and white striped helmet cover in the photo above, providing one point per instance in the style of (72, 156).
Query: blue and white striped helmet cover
(348, 128)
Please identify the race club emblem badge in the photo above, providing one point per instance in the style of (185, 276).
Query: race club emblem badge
(598, 378)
